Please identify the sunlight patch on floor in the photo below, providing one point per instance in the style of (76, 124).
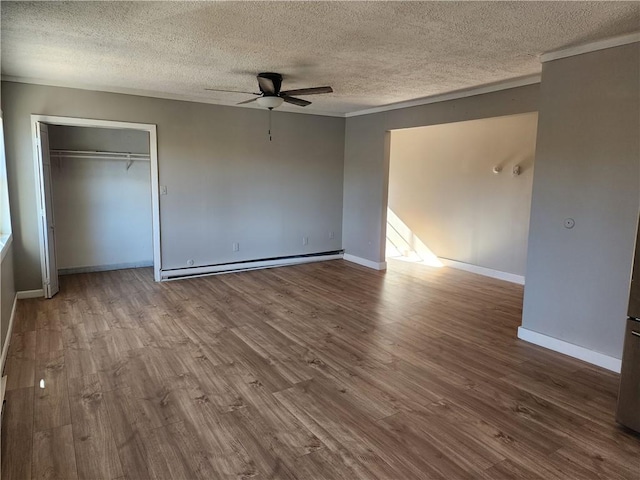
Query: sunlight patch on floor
(403, 244)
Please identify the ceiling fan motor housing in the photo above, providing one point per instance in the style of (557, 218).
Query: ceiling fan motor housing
(274, 78)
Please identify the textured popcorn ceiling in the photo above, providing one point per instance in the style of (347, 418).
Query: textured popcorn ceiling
(372, 53)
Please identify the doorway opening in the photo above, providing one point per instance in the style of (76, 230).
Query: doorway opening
(97, 194)
(459, 194)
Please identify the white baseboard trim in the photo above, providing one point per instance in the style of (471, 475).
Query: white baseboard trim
(365, 263)
(243, 266)
(566, 348)
(30, 294)
(487, 272)
(5, 347)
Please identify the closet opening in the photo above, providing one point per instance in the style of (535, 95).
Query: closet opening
(97, 193)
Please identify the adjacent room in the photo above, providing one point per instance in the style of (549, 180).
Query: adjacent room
(320, 240)
(461, 192)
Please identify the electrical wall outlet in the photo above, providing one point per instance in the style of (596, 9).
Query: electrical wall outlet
(332, 234)
(305, 240)
(163, 189)
(236, 247)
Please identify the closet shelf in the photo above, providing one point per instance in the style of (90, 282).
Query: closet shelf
(142, 157)
(96, 155)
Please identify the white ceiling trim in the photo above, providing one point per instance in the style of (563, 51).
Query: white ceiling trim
(590, 47)
(467, 92)
(151, 94)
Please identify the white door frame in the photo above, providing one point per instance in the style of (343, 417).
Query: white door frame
(153, 154)
(47, 232)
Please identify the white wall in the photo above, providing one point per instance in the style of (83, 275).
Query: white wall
(442, 187)
(102, 210)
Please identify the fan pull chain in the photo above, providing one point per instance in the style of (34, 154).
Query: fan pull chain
(270, 110)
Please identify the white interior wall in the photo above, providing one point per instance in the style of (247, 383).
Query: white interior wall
(441, 186)
(102, 210)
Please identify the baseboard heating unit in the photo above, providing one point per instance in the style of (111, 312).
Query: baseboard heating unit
(191, 272)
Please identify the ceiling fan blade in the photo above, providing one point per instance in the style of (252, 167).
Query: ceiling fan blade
(247, 101)
(309, 91)
(266, 85)
(230, 91)
(296, 101)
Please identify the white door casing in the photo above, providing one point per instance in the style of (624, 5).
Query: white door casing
(37, 120)
(46, 222)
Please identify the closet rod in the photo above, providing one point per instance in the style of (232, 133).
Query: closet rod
(144, 157)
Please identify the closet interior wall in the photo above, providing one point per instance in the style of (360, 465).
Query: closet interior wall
(102, 203)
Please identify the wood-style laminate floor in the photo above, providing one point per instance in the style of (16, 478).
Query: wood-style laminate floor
(319, 371)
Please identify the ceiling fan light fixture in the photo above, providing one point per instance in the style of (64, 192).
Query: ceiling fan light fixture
(269, 102)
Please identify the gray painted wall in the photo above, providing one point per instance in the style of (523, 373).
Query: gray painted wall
(587, 168)
(366, 161)
(226, 182)
(442, 187)
(7, 294)
(102, 208)
(98, 139)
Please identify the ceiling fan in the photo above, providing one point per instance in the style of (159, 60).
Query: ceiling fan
(271, 96)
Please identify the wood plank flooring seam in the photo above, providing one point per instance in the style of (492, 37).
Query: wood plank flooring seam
(71, 418)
